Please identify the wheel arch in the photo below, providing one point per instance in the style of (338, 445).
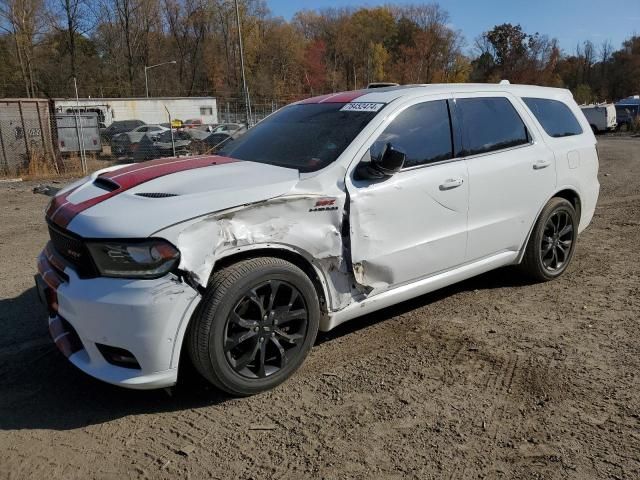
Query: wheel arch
(570, 194)
(299, 259)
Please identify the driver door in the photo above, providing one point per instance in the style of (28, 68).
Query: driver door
(413, 224)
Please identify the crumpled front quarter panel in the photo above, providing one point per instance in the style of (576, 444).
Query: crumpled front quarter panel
(307, 224)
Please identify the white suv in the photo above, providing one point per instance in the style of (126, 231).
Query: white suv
(327, 210)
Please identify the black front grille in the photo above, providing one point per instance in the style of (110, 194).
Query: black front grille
(73, 250)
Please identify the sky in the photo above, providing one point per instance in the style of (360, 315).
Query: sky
(570, 21)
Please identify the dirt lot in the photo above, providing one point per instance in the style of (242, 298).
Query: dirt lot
(491, 378)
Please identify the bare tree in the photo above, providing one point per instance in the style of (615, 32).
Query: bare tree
(21, 19)
(188, 21)
(589, 52)
(134, 21)
(73, 18)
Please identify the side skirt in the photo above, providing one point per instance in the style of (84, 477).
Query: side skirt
(415, 289)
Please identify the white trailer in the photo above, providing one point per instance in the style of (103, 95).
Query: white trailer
(71, 128)
(149, 110)
(601, 117)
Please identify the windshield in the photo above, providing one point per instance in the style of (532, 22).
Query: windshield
(306, 137)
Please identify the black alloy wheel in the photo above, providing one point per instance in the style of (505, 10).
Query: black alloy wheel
(557, 240)
(265, 329)
(552, 241)
(255, 325)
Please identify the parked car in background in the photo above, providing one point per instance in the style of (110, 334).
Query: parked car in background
(149, 131)
(601, 117)
(203, 131)
(200, 132)
(116, 128)
(230, 128)
(192, 123)
(329, 209)
(135, 143)
(218, 137)
(174, 125)
(162, 145)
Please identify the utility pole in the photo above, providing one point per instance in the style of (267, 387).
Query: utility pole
(173, 142)
(244, 79)
(79, 130)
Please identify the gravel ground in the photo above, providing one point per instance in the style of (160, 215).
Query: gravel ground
(491, 378)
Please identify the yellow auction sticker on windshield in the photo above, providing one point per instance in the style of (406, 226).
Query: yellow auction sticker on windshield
(362, 107)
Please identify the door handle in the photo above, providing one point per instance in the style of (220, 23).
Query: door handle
(540, 164)
(450, 183)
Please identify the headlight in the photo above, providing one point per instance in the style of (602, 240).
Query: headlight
(150, 258)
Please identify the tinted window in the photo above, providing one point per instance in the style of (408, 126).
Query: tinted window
(490, 123)
(306, 137)
(554, 116)
(422, 131)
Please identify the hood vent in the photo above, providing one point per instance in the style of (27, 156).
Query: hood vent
(106, 184)
(157, 195)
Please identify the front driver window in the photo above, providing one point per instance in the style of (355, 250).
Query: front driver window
(422, 132)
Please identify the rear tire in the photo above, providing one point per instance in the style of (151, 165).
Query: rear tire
(552, 242)
(255, 325)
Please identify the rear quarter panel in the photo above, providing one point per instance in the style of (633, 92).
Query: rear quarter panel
(577, 162)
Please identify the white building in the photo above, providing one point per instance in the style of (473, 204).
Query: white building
(149, 110)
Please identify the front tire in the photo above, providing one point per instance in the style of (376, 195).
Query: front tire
(255, 325)
(552, 242)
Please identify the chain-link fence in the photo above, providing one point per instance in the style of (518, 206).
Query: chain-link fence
(75, 136)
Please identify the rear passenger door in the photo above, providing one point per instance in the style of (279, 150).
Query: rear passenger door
(511, 172)
(414, 223)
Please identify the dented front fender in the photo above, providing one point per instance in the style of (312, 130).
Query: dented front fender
(307, 225)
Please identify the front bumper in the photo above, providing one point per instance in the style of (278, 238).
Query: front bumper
(145, 317)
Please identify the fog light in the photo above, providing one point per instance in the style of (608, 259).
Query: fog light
(118, 356)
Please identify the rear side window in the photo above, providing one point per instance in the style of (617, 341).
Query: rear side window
(422, 131)
(489, 124)
(554, 116)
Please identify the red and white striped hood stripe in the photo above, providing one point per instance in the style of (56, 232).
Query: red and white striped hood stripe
(196, 186)
(61, 210)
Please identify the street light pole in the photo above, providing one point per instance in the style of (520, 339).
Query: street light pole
(146, 79)
(244, 79)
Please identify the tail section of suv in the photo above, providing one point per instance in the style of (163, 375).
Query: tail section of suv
(328, 209)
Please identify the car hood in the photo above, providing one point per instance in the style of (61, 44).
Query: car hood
(141, 199)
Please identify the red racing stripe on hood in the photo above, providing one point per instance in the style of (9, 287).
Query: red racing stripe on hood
(61, 211)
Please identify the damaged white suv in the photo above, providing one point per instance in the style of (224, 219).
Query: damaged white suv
(327, 210)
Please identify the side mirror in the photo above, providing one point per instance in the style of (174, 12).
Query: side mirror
(388, 163)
